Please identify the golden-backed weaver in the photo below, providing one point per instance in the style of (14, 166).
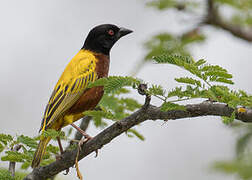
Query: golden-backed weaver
(71, 97)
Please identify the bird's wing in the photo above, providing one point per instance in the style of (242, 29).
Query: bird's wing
(71, 85)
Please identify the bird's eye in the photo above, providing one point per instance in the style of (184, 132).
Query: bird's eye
(111, 32)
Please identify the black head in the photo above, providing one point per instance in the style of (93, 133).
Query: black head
(102, 38)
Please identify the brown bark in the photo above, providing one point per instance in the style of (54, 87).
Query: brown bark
(147, 112)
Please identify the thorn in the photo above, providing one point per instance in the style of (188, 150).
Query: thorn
(165, 121)
(67, 171)
(96, 153)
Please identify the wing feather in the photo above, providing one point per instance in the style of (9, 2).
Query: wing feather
(71, 85)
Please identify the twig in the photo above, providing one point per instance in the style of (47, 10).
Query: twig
(142, 91)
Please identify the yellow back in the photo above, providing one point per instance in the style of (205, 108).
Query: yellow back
(72, 83)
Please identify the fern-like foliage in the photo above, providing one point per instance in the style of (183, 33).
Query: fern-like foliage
(241, 164)
(240, 167)
(28, 147)
(207, 81)
(113, 83)
(6, 175)
(172, 44)
(113, 105)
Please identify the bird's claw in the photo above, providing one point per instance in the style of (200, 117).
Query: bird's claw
(96, 153)
(83, 141)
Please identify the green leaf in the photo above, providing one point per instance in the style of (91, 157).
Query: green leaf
(177, 91)
(5, 138)
(195, 36)
(156, 90)
(5, 175)
(27, 141)
(172, 44)
(98, 82)
(1, 147)
(53, 134)
(223, 80)
(211, 68)
(47, 161)
(26, 165)
(103, 113)
(122, 91)
(168, 4)
(188, 80)
(117, 82)
(243, 93)
(114, 83)
(238, 166)
(228, 120)
(136, 133)
(69, 132)
(99, 122)
(173, 59)
(52, 149)
(184, 62)
(168, 106)
(242, 143)
(109, 101)
(242, 5)
(130, 104)
(14, 156)
(219, 74)
(200, 62)
(162, 4)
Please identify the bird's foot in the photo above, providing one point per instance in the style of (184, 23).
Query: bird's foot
(83, 141)
(87, 137)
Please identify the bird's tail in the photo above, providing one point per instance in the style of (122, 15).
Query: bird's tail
(40, 151)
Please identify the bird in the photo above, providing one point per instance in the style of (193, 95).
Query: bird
(71, 97)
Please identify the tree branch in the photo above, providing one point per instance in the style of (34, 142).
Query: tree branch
(13, 164)
(149, 112)
(213, 18)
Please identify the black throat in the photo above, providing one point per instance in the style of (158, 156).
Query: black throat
(95, 46)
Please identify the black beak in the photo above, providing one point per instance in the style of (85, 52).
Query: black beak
(123, 31)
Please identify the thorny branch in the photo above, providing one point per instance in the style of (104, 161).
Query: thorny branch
(147, 112)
